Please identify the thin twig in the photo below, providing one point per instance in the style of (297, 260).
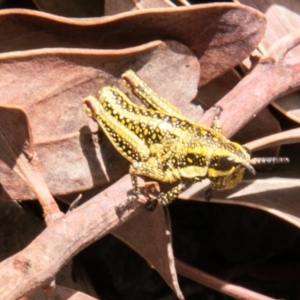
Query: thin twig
(286, 137)
(237, 292)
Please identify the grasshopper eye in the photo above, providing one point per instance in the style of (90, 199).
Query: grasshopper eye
(225, 163)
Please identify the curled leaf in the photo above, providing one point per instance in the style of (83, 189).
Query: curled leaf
(233, 33)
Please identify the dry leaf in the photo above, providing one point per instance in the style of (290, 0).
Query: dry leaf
(150, 235)
(273, 194)
(283, 18)
(232, 35)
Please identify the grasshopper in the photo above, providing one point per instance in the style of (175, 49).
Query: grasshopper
(162, 144)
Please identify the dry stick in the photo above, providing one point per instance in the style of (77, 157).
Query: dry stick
(272, 77)
(214, 283)
(37, 184)
(61, 240)
(17, 150)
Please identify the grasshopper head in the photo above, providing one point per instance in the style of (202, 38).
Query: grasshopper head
(227, 166)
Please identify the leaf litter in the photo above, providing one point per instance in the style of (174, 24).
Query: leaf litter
(73, 74)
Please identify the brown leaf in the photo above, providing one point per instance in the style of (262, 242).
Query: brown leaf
(217, 88)
(273, 194)
(17, 153)
(51, 85)
(16, 149)
(283, 18)
(150, 235)
(233, 32)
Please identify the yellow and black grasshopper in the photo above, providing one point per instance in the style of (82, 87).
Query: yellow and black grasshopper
(162, 144)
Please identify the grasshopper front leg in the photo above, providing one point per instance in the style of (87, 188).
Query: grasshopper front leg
(152, 169)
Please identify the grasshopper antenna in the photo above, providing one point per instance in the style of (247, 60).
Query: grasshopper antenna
(269, 160)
